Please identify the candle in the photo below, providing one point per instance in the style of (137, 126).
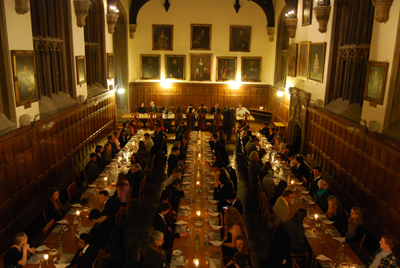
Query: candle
(198, 183)
(198, 213)
(105, 178)
(292, 182)
(78, 212)
(45, 257)
(316, 216)
(196, 262)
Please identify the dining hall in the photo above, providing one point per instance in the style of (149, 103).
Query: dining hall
(213, 133)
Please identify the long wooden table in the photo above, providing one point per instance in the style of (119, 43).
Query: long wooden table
(172, 116)
(70, 246)
(198, 202)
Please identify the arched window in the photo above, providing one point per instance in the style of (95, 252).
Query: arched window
(95, 45)
(282, 45)
(52, 42)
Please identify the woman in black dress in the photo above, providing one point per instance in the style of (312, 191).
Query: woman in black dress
(53, 207)
(155, 255)
(17, 255)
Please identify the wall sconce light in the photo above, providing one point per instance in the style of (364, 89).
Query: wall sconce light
(165, 84)
(291, 23)
(234, 84)
(21, 6)
(280, 93)
(382, 8)
(322, 12)
(81, 10)
(112, 17)
(119, 90)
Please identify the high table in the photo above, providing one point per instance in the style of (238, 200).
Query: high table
(83, 224)
(198, 184)
(172, 116)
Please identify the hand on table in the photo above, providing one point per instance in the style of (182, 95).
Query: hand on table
(183, 234)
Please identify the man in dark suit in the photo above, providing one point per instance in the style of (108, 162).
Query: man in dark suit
(135, 177)
(87, 253)
(123, 139)
(111, 205)
(301, 171)
(101, 230)
(229, 121)
(215, 109)
(247, 138)
(232, 200)
(153, 108)
(264, 130)
(92, 168)
(114, 149)
(158, 138)
(315, 183)
(173, 158)
(159, 224)
(251, 146)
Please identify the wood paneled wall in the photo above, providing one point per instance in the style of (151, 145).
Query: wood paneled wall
(364, 167)
(32, 161)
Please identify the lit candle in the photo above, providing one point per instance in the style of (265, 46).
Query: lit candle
(105, 178)
(198, 183)
(198, 213)
(292, 182)
(196, 262)
(45, 257)
(316, 216)
(78, 212)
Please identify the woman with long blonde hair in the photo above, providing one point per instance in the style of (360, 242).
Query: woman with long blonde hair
(335, 213)
(234, 226)
(355, 227)
(106, 154)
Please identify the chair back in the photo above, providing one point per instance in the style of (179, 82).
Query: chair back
(49, 226)
(118, 214)
(151, 120)
(360, 244)
(97, 261)
(178, 119)
(135, 117)
(72, 191)
(294, 263)
(246, 118)
(202, 121)
(217, 122)
(190, 121)
(140, 255)
(250, 178)
(74, 177)
(160, 117)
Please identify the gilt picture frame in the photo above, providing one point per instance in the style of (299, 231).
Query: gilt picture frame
(150, 66)
(375, 82)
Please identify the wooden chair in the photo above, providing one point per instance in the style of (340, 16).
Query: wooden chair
(135, 117)
(217, 122)
(169, 171)
(2, 259)
(294, 264)
(74, 177)
(44, 216)
(201, 120)
(305, 256)
(159, 117)
(72, 191)
(190, 121)
(128, 207)
(141, 192)
(149, 170)
(140, 255)
(360, 243)
(250, 180)
(178, 119)
(49, 226)
(97, 261)
(246, 118)
(118, 215)
(151, 121)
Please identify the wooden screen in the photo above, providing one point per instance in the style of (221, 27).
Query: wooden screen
(365, 168)
(33, 161)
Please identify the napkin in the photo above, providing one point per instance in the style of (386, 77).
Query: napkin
(217, 243)
(214, 214)
(299, 183)
(177, 261)
(209, 182)
(340, 239)
(64, 221)
(309, 234)
(310, 202)
(61, 265)
(322, 257)
(213, 201)
(304, 192)
(77, 205)
(187, 182)
(180, 222)
(306, 226)
(103, 175)
(211, 191)
(42, 248)
(185, 207)
(92, 186)
(216, 227)
(327, 222)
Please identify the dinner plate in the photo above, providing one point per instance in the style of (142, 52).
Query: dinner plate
(198, 223)
(177, 252)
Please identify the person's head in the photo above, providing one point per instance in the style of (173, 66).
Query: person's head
(177, 182)
(278, 140)
(111, 138)
(288, 195)
(216, 105)
(333, 203)
(230, 196)
(317, 171)
(176, 173)
(95, 214)
(99, 149)
(240, 260)
(84, 240)
(158, 127)
(300, 215)
(54, 194)
(121, 179)
(214, 136)
(163, 208)
(387, 243)
(275, 131)
(175, 150)
(166, 194)
(324, 184)
(107, 148)
(182, 123)
(280, 187)
(356, 213)
(146, 136)
(152, 103)
(123, 132)
(221, 135)
(93, 157)
(134, 168)
(242, 243)
(116, 134)
(103, 196)
(142, 104)
(217, 157)
(265, 124)
(239, 105)
(257, 141)
(233, 217)
(249, 133)
(176, 144)
(267, 166)
(254, 156)
(133, 158)
(181, 157)
(20, 239)
(142, 146)
(156, 239)
(223, 176)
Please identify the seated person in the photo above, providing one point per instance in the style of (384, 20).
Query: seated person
(53, 207)
(181, 163)
(101, 230)
(384, 256)
(17, 254)
(159, 224)
(301, 171)
(281, 207)
(143, 156)
(247, 138)
(252, 145)
(148, 141)
(106, 155)
(321, 196)
(190, 109)
(240, 110)
(116, 140)
(114, 148)
(123, 139)
(294, 227)
(92, 168)
(278, 192)
(355, 227)
(180, 130)
(222, 184)
(242, 246)
(264, 130)
(177, 193)
(98, 151)
(279, 145)
(231, 200)
(315, 181)
(271, 135)
(123, 188)
(234, 226)
(202, 109)
(135, 177)
(215, 109)
(173, 158)
(240, 261)
(165, 197)
(155, 254)
(335, 213)
(111, 205)
(176, 174)
(87, 253)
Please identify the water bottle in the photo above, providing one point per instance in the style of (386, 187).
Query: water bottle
(340, 253)
(197, 241)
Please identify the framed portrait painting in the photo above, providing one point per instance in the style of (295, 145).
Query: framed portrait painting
(175, 66)
(200, 36)
(240, 37)
(375, 81)
(226, 68)
(251, 69)
(307, 12)
(150, 66)
(163, 37)
(200, 67)
(24, 73)
(110, 65)
(303, 59)
(292, 60)
(317, 61)
(81, 69)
